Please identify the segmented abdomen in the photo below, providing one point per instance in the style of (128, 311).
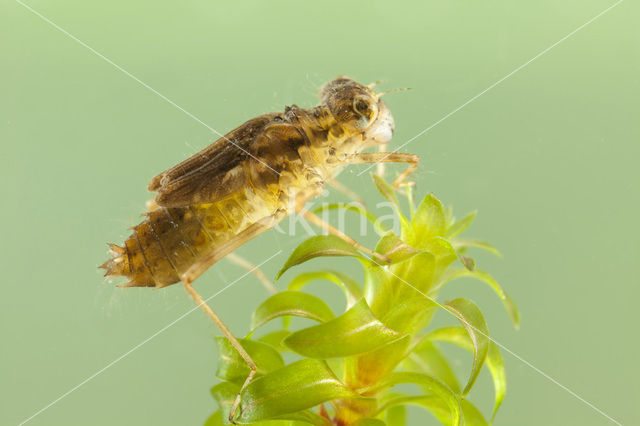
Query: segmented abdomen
(171, 240)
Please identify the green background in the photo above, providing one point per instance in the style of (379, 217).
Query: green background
(549, 157)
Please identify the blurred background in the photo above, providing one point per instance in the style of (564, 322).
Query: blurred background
(549, 158)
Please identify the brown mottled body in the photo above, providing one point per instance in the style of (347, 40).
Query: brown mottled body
(245, 183)
(172, 239)
(257, 173)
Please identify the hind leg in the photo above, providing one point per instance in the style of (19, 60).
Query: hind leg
(244, 263)
(253, 367)
(205, 263)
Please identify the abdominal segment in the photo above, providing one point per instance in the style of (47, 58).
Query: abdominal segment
(171, 240)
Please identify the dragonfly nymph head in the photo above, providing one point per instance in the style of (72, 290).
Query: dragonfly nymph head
(358, 110)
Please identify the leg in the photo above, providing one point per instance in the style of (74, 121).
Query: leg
(302, 199)
(230, 337)
(346, 191)
(388, 157)
(151, 205)
(380, 165)
(244, 263)
(205, 263)
(327, 227)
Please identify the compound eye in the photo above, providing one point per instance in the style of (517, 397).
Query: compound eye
(362, 107)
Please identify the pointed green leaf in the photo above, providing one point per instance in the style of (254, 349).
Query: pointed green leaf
(449, 219)
(473, 321)
(394, 300)
(215, 419)
(460, 226)
(393, 400)
(354, 332)
(396, 415)
(376, 283)
(298, 386)
(478, 244)
(428, 221)
(274, 339)
(366, 369)
(433, 404)
(291, 303)
(443, 252)
(320, 245)
(232, 366)
(389, 193)
(385, 189)
(441, 248)
(410, 314)
(508, 303)
(300, 418)
(467, 262)
(419, 271)
(458, 336)
(397, 293)
(351, 289)
(378, 226)
(394, 248)
(408, 191)
(472, 416)
(225, 394)
(427, 358)
(425, 381)
(438, 407)
(369, 422)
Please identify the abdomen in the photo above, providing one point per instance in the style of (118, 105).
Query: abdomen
(171, 240)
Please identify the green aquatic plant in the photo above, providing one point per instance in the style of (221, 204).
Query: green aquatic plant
(346, 369)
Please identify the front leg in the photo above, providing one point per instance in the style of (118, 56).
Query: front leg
(388, 157)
